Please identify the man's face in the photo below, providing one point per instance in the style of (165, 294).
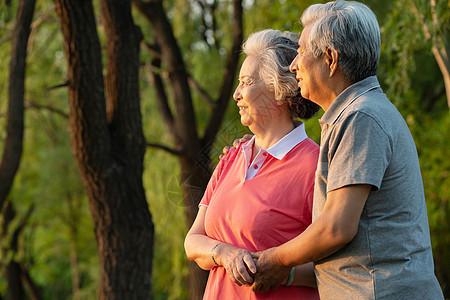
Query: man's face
(311, 72)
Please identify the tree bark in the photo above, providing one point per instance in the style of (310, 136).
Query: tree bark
(12, 151)
(108, 143)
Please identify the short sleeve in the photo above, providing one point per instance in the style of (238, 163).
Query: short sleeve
(359, 153)
(215, 177)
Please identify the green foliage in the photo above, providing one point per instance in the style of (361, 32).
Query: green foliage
(407, 66)
(434, 150)
(165, 199)
(282, 15)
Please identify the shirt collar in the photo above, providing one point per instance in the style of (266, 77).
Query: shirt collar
(283, 146)
(345, 98)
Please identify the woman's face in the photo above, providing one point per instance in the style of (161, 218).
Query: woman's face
(256, 103)
(311, 72)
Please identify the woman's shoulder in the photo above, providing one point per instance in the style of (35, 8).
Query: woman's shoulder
(306, 150)
(308, 146)
(230, 157)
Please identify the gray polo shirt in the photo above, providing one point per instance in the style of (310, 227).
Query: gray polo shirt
(365, 140)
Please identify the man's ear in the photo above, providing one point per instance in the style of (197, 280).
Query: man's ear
(331, 58)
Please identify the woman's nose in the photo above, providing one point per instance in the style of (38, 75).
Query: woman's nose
(293, 67)
(237, 94)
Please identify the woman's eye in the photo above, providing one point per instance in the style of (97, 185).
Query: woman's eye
(246, 82)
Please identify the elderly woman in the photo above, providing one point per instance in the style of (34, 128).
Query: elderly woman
(370, 237)
(260, 195)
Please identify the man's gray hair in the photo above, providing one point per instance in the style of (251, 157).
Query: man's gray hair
(275, 51)
(349, 27)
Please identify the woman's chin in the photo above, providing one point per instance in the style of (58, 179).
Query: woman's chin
(245, 121)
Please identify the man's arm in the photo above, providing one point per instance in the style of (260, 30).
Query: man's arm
(332, 230)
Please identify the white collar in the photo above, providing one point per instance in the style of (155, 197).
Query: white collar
(283, 146)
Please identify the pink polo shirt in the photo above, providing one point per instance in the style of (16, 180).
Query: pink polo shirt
(269, 208)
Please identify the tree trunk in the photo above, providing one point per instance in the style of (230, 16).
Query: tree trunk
(15, 289)
(109, 146)
(13, 147)
(12, 151)
(195, 177)
(15, 286)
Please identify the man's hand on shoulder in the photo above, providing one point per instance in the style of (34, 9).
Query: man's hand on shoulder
(236, 143)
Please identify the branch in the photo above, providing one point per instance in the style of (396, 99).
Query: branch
(167, 149)
(217, 42)
(440, 52)
(425, 28)
(34, 290)
(213, 26)
(161, 96)
(202, 93)
(54, 87)
(33, 105)
(6, 38)
(205, 26)
(23, 222)
(185, 124)
(40, 19)
(228, 76)
(153, 50)
(434, 14)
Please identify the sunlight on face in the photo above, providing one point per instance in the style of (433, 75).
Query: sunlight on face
(255, 101)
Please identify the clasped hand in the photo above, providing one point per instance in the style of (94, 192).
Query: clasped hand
(257, 270)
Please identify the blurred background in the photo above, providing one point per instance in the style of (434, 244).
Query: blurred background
(47, 222)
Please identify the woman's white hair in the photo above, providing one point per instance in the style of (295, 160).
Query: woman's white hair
(275, 51)
(349, 27)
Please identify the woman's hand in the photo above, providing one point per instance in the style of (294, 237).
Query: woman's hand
(237, 262)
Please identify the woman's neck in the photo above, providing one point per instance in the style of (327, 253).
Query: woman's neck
(269, 134)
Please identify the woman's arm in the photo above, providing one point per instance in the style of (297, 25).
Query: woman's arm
(197, 244)
(199, 248)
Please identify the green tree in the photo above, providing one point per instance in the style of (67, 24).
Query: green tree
(108, 142)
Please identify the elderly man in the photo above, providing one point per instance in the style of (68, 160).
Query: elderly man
(369, 238)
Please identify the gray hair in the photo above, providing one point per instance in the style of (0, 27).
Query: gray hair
(349, 27)
(275, 51)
